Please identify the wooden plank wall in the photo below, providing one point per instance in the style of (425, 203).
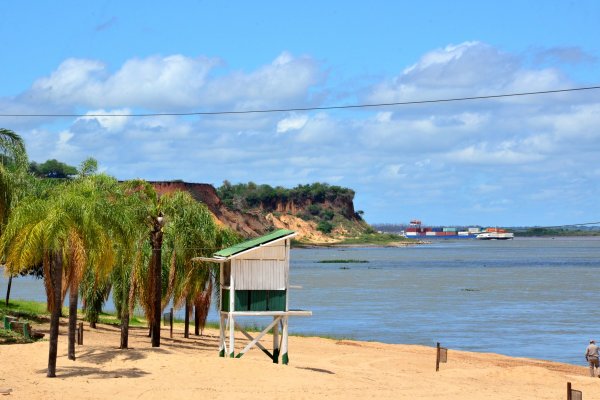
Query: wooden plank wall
(259, 274)
(265, 268)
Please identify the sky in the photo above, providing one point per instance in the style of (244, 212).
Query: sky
(518, 161)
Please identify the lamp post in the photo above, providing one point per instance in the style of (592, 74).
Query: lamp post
(156, 238)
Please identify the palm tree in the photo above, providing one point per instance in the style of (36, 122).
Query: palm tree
(71, 228)
(149, 213)
(190, 232)
(106, 229)
(38, 232)
(13, 168)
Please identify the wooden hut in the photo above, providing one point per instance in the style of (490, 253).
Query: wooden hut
(254, 278)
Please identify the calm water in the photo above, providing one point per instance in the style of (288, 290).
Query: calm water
(526, 297)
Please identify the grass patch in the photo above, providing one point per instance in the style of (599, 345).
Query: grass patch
(349, 261)
(24, 309)
(380, 239)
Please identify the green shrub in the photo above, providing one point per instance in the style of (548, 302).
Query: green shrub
(325, 226)
(327, 215)
(314, 209)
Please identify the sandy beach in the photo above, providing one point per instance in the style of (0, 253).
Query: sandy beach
(319, 368)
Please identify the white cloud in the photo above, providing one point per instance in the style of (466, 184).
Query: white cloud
(500, 154)
(178, 82)
(293, 122)
(110, 120)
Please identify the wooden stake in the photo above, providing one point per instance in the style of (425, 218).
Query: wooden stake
(437, 357)
(568, 390)
(80, 334)
(171, 321)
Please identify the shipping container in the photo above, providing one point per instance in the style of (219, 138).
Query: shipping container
(449, 229)
(436, 229)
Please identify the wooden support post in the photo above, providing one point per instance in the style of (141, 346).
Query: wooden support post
(232, 309)
(171, 322)
(80, 334)
(231, 336)
(276, 342)
(568, 390)
(437, 357)
(221, 335)
(284, 342)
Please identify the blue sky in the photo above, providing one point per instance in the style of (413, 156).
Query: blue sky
(519, 161)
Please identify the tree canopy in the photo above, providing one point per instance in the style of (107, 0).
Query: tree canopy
(245, 196)
(52, 169)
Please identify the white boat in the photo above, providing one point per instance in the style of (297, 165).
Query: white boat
(495, 236)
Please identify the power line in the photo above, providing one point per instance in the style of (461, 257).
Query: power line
(324, 108)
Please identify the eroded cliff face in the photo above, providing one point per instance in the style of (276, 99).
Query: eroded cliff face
(246, 224)
(279, 214)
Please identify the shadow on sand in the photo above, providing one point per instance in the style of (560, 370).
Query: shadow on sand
(95, 373)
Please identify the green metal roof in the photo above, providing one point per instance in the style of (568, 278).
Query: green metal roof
(248, 244)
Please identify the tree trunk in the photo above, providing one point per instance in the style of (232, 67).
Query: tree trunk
(73, 297)
(125, 309)
(8, 289)
(156, 239)
(196, 320)
(124, 329)
(56, 281)
(188, 311)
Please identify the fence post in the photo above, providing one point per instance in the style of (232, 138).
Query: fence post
(437, 357)
(80, 334)
(171, 322)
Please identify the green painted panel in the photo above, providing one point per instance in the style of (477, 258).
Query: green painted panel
(276, 301)
(255, 300)
(242, 300)
(258, 300)
(225, 300)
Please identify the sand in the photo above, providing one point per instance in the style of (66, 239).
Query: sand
(319, 368)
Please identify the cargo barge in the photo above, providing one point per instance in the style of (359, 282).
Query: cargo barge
(416, 230)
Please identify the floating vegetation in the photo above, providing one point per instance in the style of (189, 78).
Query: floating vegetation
(344, 267)
(349, 261)
(469, 290)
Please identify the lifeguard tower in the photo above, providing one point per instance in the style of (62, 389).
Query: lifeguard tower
(254, 277)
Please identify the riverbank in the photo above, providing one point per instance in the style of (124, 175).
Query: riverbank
(319, 368)
(365, 240)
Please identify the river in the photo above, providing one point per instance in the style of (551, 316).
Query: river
(528, 297)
